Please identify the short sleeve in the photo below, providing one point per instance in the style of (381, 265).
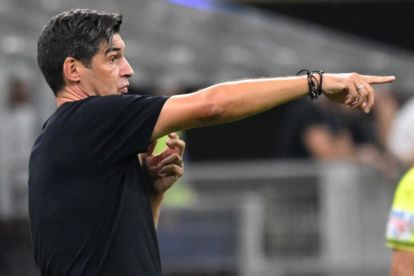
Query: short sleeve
(401, 140)
(400, 226)
(121, 126)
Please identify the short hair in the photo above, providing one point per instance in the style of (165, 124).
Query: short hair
(77, 33)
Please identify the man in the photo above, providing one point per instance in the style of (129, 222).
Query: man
(400, 227)
(92, 209)
(90, 204)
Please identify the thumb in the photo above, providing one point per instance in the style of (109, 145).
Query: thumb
(151, 161)
(151, 147)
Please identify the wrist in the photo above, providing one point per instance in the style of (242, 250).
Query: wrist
(315, 81)
(157, 197)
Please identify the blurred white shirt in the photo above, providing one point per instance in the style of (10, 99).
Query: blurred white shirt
(401, 140)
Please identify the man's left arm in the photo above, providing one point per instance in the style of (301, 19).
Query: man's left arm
(163, 170)
(402, 263)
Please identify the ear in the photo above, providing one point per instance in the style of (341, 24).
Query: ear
(72, 69)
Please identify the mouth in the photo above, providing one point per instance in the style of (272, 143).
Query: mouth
(124, 89)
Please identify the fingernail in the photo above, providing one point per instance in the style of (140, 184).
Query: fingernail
(364, 106)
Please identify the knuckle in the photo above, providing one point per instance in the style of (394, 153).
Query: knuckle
(180, 173)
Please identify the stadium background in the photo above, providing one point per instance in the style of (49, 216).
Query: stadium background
(245, 206)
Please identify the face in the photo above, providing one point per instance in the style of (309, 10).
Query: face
(109, 70)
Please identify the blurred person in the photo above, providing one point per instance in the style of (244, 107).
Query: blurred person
(330, 132)
(17, 131)
(376, 154)
(323, 134)
(92, 210)
(18, 122)
(400, 226)
(386, 107)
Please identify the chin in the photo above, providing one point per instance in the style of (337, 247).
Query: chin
(113, 93)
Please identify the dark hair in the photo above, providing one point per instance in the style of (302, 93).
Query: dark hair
(76, 33)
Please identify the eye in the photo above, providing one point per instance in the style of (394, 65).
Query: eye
(113, 58)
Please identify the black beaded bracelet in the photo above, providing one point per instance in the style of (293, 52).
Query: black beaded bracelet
(315, 86)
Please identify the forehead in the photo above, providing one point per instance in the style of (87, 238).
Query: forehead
(117, 44)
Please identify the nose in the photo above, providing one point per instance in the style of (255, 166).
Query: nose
(126, 70)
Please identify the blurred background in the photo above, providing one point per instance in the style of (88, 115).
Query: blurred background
(303, 189)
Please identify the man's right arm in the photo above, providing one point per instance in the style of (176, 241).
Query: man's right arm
(232, 101)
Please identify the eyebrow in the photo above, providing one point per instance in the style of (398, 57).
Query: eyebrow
(112, 49)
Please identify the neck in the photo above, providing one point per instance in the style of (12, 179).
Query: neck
(70, 94)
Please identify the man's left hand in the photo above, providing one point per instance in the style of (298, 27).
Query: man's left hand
(166, 168)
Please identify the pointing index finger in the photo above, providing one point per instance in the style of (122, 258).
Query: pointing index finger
(378, 79)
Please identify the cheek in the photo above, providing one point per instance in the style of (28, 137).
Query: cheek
(108, 80)
(110, 84)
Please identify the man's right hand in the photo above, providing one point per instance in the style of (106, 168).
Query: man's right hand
(352, 89)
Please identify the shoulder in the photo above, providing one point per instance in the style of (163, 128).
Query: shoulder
(112, 99)
(122, 100)
(108, 104)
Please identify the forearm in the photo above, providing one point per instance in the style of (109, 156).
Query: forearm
(156, 201)
(240, 99)
(227, 102)
(402, 263)
(163, 170)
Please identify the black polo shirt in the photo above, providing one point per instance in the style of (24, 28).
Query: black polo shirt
(89, 203)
